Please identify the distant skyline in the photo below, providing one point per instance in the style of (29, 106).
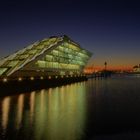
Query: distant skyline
(110, 29)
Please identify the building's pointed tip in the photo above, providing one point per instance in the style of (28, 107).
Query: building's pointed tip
(65, 37)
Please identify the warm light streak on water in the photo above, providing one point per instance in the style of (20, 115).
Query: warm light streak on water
(32, 105)
(5, 112)
(20, 105)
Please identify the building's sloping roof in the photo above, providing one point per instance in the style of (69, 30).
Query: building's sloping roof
(19, 59)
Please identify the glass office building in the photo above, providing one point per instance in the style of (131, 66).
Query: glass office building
(52, 56)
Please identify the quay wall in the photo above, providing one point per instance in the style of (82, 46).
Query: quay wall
(16, 86)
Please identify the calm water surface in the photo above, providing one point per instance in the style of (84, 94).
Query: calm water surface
(96, 109)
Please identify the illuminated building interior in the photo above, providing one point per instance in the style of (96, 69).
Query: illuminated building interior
(52, 56)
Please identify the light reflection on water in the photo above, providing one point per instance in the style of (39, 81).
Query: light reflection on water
(78, 111)
(20, 105)
(53, 114)
(5, 112)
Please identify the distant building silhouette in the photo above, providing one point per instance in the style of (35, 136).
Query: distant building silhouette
(136, 68)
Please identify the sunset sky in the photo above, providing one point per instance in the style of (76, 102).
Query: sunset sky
(110, 29)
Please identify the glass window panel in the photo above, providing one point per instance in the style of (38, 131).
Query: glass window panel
(24, 56)
(32, 51)
(2, 70)
(40, 47)
(12, 63)
(41, 64)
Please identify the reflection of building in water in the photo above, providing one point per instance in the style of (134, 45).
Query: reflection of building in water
(66, 113)
(57, 113)
(5, 111)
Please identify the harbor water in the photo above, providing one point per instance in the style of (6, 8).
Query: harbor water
(97, 109)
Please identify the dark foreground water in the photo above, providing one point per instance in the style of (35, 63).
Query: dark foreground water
(93, 110)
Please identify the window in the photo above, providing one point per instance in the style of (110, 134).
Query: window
(12, 63)
(2, 70)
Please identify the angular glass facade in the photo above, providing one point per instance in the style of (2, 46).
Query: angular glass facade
(52, 54)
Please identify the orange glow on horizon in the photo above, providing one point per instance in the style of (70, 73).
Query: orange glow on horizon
(91, 69)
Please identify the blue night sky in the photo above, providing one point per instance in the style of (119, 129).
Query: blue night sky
(110, 29)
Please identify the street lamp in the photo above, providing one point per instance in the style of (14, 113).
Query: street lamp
(105, 65)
